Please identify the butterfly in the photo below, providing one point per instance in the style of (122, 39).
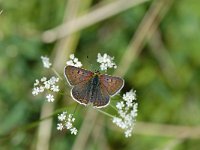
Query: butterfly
(89, 87)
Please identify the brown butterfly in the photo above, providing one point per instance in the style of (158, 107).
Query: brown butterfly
(92, 87)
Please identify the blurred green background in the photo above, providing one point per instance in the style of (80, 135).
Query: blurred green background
(165, 72)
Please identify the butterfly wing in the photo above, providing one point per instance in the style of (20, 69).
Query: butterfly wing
(101, 97)
(112, 84)
(76, 75)
(80, 79)
(80, 93)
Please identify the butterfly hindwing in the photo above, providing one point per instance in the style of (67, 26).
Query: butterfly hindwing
(112, 84)
(76, 75)
(101, 97)
(80, 92)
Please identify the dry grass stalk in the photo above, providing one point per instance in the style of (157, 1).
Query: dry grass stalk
(89, 19)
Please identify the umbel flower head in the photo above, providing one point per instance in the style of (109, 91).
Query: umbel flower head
(45, 61)
(106, 62)
(74, 61)
(66, 122)
(43, 85)
(127, 110)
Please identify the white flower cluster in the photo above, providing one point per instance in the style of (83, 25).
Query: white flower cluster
(106, 61)
(74, 61)
(45, 61)
(127, 110)
(66, 122)
(43, 84)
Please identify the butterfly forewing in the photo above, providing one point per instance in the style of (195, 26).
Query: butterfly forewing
(76, 75)
(112, 84)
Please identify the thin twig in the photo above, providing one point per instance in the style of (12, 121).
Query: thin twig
(44, 129)
(86, 128)
(58, 75)
(174, 131)
(89, 19)
(165, 61)
(98, 135)
(164, 130)
(156, 12)
(171, 144)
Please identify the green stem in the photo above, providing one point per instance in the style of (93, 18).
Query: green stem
(56, 73)
(31, 125)
(114, 107)
(105, 113)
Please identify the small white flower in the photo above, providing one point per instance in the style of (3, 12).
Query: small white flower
(55, 88)
(129, 96)
(53, 80)
(127, 111)
(68, 125)
(73, 61)
(73, 119)
(66, 122)
(135, 109)
(103, 66)
(50, 98)
(71, 56)
(47, 85)
(43, 79)
(106, 62)
(122, 113)
(120, 105)
(128, 132)
(41, 89)
(117, 120)
(129, 103)
(78, 64)
(36, 82)
(70, 116)
(73, 131)
(36, 91)
(70, 63)
(45, 61)
(60, 126)
(62, 116)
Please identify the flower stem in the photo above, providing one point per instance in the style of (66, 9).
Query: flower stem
(105, 113)
(113, 107)
(56, 73)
